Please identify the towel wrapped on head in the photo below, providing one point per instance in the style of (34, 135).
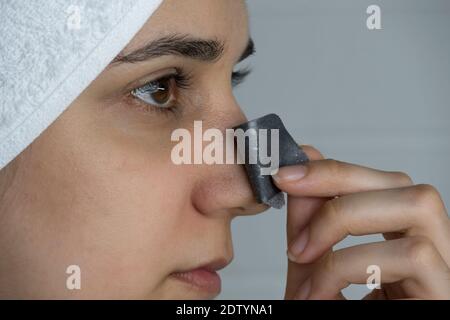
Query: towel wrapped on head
(50, 51)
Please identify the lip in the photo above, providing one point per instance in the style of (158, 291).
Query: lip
(204, 277)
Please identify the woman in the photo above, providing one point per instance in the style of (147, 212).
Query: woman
(97, 188)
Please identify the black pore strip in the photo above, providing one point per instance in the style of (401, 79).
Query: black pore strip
(290, 153)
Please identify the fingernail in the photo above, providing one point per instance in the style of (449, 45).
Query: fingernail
(304, 290)
(290, 173)
(299, 244)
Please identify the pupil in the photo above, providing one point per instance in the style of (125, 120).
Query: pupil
(161, 95)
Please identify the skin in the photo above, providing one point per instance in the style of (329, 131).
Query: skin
(331, 199)
(97, 189)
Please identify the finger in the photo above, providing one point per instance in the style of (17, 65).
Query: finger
(413, 210)
(299, 212)
(378, 294)
(312, 152)
(413, 262)
(329, 178)
(300, 209)
(296, 220)
(375, 294)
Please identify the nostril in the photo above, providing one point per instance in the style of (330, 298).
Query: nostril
(252, 209)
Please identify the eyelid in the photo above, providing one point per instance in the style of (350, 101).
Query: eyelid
(135, 84)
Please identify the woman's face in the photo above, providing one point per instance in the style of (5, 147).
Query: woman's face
(98, 188)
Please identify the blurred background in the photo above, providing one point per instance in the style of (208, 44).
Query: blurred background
(378, 98)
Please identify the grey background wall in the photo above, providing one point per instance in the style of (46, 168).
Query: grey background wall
(377, 98)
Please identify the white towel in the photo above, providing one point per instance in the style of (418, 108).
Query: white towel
(50, 50)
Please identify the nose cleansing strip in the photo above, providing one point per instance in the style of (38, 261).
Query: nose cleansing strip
(268, 145)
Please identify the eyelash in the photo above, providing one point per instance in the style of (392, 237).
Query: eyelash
(237, 77)
(182, 80)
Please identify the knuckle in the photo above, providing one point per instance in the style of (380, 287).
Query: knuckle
(331, 215)
(331, 269)
(331, 209)
(335, 166)
(427, 197)
(420, 251)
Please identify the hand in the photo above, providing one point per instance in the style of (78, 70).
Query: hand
(329, 200)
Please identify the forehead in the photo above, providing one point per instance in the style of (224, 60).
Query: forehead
(224, 20)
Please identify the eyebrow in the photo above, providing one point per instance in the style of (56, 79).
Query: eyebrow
(208, 50)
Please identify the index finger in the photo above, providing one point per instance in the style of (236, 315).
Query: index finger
(329, 178)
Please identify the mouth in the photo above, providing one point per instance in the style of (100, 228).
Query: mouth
(204, 277)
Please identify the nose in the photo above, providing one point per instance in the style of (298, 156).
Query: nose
(224, 188)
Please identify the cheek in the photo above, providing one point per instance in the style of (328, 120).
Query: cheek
(104, 202)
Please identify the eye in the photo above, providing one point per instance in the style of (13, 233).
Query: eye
(162, 94)
(159, 93)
